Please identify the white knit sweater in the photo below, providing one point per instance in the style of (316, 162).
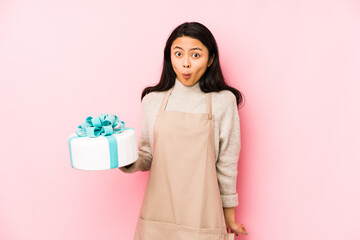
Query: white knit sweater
(227, 132)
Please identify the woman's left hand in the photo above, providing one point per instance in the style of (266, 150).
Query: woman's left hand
(236, 227)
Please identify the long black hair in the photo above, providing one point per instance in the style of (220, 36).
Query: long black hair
(212, 80)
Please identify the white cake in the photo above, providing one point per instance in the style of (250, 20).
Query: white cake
(103, 152)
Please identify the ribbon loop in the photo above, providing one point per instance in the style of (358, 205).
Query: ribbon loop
(108, 130)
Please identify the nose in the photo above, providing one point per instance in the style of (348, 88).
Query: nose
(186, 63)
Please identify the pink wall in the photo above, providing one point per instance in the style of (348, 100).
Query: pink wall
(297, 62)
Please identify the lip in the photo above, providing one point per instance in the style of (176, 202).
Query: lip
(186, 75)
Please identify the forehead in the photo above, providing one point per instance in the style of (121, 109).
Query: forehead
(187, 43)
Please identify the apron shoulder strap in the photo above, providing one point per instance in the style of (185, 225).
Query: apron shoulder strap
(208, 103)
(165, 99)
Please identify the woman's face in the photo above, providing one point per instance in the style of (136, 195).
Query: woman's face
(189, 59)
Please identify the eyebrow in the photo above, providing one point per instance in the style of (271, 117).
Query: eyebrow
(195, 48)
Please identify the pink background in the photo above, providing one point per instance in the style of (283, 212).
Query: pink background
(297, 62)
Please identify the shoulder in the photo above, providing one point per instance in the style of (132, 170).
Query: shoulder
(224, 106)
(152, 101)
(151, 97)
(224, 99)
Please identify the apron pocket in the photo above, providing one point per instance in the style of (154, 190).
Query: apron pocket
(156, 230)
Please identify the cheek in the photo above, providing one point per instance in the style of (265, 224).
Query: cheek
(173, 59)
(173, 62)
(201, 65)
(176, 64)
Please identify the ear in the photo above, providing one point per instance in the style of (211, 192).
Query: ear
(211, 60)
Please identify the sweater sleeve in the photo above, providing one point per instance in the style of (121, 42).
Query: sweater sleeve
(229, 149)
(143, 163)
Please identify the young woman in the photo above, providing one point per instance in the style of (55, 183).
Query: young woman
(190, 143)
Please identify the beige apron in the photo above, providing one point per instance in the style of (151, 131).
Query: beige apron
(182, 198)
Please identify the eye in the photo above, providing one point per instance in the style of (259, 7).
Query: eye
(177, 54)
(198, 55)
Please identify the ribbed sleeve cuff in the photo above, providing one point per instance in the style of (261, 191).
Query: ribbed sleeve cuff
(230, 200)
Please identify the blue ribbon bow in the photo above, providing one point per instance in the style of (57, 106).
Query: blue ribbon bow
(103, 125)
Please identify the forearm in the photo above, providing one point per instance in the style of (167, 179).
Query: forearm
(229, 214)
